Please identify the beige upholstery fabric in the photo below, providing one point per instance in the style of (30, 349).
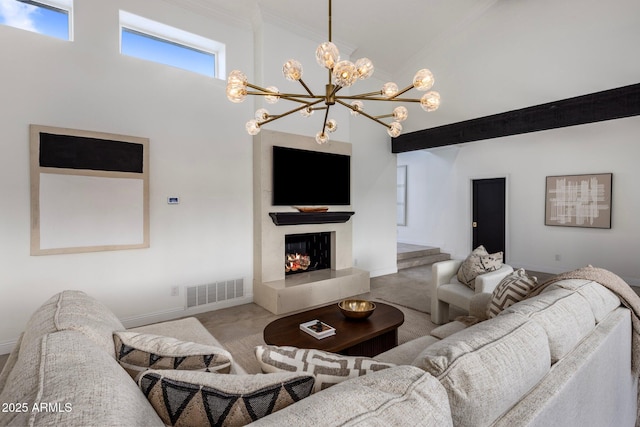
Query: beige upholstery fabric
(190, 398)
(565, 316)
(84, 384)
(592, 386)
(601, 299)
(138, 352)
(400, 396)
(487, 367)
(512, 289)
(188, 329)
(441, 332)
(406, 353)
(328, 368)
(77, 311)
(479, 261)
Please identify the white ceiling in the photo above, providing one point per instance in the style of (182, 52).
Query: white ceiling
(489, 56)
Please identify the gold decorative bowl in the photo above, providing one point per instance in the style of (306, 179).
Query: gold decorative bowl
(356, 309)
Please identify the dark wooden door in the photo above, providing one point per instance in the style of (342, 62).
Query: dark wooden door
(489, 214)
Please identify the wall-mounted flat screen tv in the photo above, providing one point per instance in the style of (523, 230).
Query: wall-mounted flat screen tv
(303, 177)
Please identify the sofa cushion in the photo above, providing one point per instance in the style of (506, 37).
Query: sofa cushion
(478, 262)
(400, 396)
(406, 353)
(601, 299)
(488, 367)
(191, 398)
(328, 368)
(78, 384)
(512, 289)
(138, 352)
(564, 314)
(188, 329)
(76, 311)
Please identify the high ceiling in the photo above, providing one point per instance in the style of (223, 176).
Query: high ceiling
(489, 56)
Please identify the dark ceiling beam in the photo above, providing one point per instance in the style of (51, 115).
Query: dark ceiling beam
(594, 107)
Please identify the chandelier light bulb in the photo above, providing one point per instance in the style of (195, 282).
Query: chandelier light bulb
(400, 113)
(389, 89)
(327, 54)
(364, 66)
(331, 125)
(272, 99)
(292, 70)
(322, 137)
(345, 73)
(358, 106)
(253, 128)
(306, 112)
(430, 101)
(394, 130)
(262, 114)
(423, 80)
(236, 93)
(237, 77)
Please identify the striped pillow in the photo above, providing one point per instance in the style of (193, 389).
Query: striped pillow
(512, 289)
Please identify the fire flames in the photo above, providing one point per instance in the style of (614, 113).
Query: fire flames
(295, 262)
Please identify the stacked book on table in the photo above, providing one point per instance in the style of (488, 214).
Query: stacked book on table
(317, 329)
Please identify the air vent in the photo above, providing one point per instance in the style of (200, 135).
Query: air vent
(214, 292)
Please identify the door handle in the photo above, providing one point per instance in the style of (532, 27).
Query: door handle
(474, 224)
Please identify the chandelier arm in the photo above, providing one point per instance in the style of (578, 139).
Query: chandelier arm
(380, 98)
(306, 88)
(279, 116)
(406, 89)
(326, 116)
(363, 113)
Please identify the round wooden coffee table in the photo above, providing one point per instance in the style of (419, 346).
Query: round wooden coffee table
(368, 337)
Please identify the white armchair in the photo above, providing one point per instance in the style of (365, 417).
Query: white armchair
(446, 289)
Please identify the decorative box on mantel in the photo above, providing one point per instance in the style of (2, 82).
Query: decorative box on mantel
(299, 218)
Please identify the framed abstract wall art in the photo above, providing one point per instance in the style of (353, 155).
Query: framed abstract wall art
(579, 200)
(89, 191)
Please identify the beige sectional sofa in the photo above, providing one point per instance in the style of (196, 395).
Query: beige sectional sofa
(560, 358)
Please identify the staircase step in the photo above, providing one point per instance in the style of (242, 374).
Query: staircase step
(419, 251)
(422, 260)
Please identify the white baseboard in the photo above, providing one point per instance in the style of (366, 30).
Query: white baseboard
(6, 347)
(176, 313)
(383, 272)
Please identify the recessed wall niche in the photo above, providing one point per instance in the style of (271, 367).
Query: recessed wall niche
(89, 191)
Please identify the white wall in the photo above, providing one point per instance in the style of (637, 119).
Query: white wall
(526, 160)
(199, 151)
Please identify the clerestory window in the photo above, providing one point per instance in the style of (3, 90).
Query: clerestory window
(150, 40)
(48, 17)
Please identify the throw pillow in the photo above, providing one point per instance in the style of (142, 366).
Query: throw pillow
(328, 368)
(191, 398)
(138, 352)
(478, 262)
(512, 289)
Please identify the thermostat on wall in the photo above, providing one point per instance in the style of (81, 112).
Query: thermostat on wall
(173, 200)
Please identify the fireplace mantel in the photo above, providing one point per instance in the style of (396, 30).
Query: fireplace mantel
(298, 218)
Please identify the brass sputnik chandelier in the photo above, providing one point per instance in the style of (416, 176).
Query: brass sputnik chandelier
(342, 74)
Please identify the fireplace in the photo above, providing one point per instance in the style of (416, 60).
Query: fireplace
(307, 252)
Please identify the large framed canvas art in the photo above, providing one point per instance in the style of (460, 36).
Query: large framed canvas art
(89, 191)
(579, 200)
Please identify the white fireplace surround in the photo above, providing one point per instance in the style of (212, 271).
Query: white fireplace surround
(271, 289)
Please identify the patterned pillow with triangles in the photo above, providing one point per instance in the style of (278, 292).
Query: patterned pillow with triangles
(137, 352)
(191, 398)
(512, 289)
